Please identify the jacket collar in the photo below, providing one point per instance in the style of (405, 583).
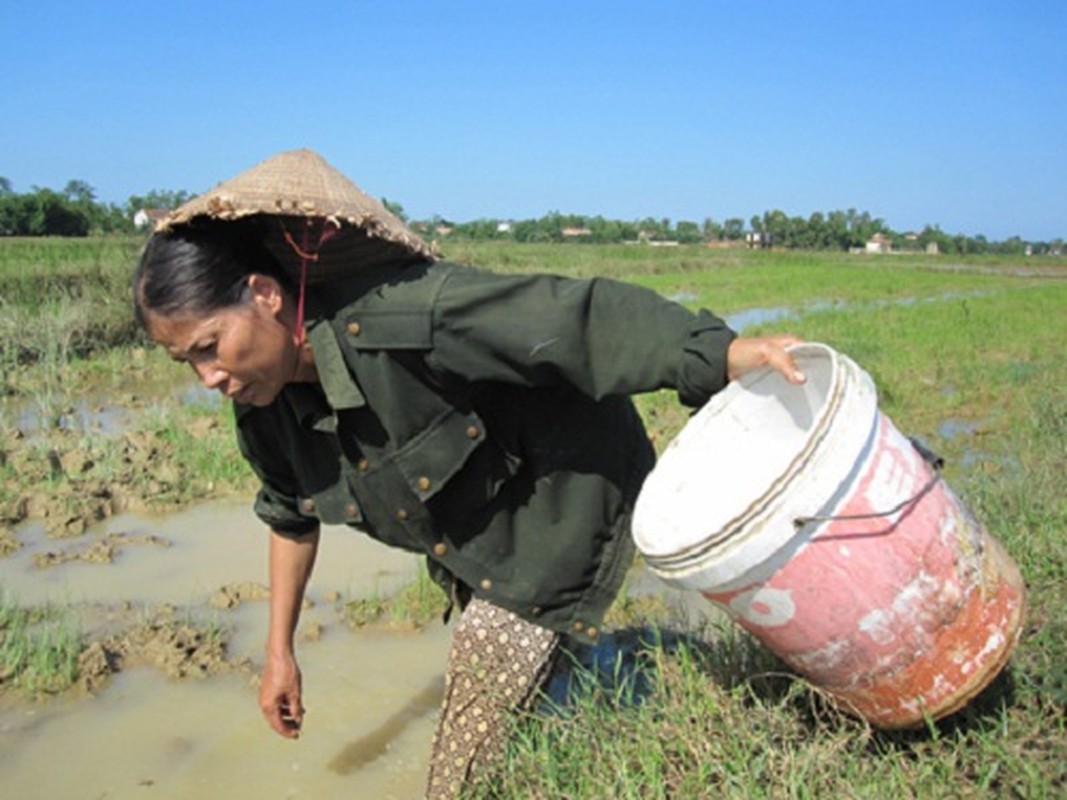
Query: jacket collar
(342, 391)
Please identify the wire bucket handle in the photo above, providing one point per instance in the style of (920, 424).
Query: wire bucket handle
(936, 463)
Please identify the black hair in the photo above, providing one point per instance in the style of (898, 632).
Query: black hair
(198, 269)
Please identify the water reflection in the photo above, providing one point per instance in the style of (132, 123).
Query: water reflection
(951, 429)
(749, 317)
(78, 416)
(375, 744)
(95, 412)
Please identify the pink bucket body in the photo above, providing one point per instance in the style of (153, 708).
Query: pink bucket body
(897, 616)
(824, 532)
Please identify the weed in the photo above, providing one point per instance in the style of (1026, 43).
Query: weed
(39, 648)
(416, 604)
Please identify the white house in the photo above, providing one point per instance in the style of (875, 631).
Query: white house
(148, 216)
(879, 243)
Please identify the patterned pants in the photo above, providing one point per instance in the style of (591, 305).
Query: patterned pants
(495, 667)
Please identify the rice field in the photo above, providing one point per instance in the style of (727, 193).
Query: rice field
(967, 355)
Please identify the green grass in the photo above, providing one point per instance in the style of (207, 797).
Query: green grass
(38, 648)
(414, 606)
(61, 298)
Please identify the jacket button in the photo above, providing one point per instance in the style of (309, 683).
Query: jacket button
(363, 465)
(535, 611)
(402, 515)
(351, 511)
(473, 432)
(424, 484)
(440, 549)
(308, 505)
(591, 632)
(579, 626)
(354, 328)
(487, 585)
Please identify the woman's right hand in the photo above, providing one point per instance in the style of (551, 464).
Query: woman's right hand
(280, 695)
(747, 354)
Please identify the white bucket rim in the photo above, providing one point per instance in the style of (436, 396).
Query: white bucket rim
(781, 484)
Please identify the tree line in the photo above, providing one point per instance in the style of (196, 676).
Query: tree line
(833, 230)
(74, 211)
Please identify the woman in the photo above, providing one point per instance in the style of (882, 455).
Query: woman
(480, 419)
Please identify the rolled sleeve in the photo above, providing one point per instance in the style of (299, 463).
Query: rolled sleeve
(279, 513)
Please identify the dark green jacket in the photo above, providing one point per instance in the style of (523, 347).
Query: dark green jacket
(484, 420)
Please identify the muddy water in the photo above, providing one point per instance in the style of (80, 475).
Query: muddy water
(199, 551)
(371, 695)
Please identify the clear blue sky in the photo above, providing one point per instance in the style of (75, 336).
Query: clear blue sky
(940, 111)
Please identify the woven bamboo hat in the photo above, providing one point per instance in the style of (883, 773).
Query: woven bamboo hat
(299, 204)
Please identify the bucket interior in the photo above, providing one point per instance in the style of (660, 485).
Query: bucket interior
(733, 454)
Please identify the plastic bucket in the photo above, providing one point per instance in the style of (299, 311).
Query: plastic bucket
(828, 535)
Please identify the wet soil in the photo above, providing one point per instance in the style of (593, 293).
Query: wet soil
(70, 482)
(174, 624)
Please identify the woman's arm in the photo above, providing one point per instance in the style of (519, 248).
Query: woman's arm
(291, 562)
(603, 337)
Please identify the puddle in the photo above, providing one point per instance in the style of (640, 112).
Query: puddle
(759, 316)
(952, 429)
(748, 317)
(199, 396)
(98, 412)
(81, 417)
(210, 546)
(371, 695)
(145, 737)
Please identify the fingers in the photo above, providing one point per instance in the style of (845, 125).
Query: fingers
(747, 354)
(285, 717)
(780, 359)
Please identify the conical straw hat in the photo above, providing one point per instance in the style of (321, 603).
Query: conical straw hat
(297, 189)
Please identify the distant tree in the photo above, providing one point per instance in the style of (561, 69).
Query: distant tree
(396, 209)
(687, 232)
(79, 192)
(5, 187)
(157, 198)
(819, 232)
(837, 235)
(734, 229)
(47, 213)
(775, 224)
(712, 230)
(933, 235)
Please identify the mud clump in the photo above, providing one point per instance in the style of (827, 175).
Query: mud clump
(9, 542)
(70, 483)
(102, 551)
(235, 594)
(178, 649)
(95, 666)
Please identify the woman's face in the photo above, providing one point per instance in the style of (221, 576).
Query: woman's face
(249, 352)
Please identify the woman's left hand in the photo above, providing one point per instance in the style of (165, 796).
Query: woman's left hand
(748, 353)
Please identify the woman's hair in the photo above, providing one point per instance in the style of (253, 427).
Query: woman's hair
(199, 269)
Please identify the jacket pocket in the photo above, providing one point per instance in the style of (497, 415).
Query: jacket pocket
(455, 459)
